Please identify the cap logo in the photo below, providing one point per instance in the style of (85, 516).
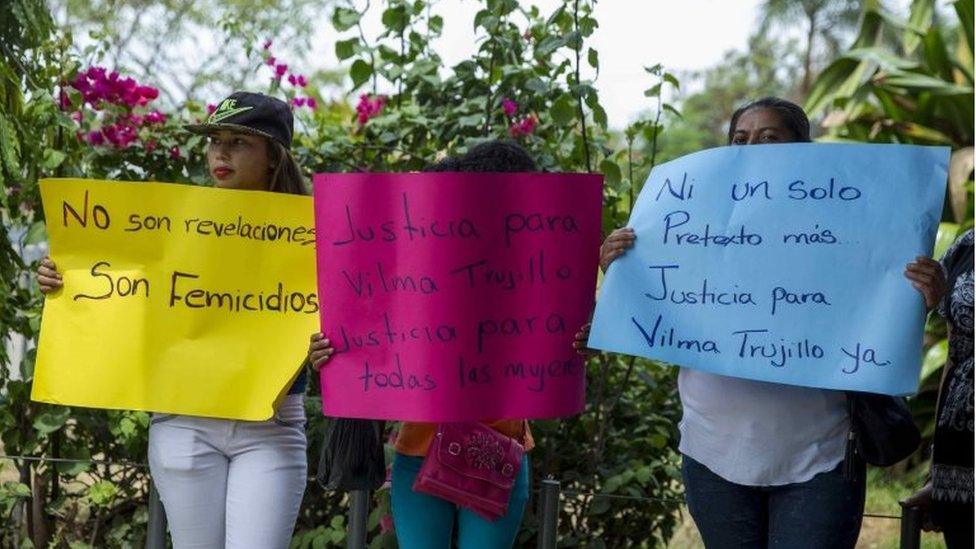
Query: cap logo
(226, 109)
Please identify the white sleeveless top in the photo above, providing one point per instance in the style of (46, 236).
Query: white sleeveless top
(761, 434)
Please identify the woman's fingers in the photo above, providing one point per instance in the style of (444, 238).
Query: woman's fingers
(318, 358)
(615, 245)
(320, 350)
(48, 277)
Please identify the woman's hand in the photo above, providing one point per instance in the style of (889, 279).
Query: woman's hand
(922, 500)
(615, 245)
(579, 341)
(319, 350)
(48, 277)
(928, 278)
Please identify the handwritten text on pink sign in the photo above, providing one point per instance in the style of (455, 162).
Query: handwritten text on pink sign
(455, 296)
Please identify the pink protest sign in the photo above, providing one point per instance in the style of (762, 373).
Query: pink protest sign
(455, 296)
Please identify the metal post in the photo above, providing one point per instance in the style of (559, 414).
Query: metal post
(358, 515)
(548, 513)
(156, 530)
(911, 528)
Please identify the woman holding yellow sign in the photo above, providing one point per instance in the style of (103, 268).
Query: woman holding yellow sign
(230, 483)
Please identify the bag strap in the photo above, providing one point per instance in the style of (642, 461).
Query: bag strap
(850, 448)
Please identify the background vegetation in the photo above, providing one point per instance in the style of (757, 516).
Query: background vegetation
(99, 89)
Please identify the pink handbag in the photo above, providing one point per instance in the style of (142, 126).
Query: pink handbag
(473, 466)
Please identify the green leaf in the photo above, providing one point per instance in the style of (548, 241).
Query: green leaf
(548, 45)
(934, 359)
(52, 159)
(16, 490)
(671, 110)
(360, 72)
(613, 484)
(573, 40)
(9, 147)
(825, 87)
(919, 19)
(644, 473)
(920, 132)
(611, 172)
(948, 232)
(36, 233)
(964, 9)
(599, 115)
(923, 82)
(344, 19)
(537, 85)
(51, 420)
(658, 441)
(653, 91)
(395, 18)
(563, 111)
(346, 48)
(594, 59)
(673, 80)
(102, 493)
(436, 24)
(960, 171)
(882, 58)
(470, 121)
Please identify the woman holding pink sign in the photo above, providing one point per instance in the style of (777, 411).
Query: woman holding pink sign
(482, 492)
(230, 483)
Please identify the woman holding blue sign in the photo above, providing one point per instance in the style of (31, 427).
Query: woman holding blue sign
(229, 483)
(764, 463)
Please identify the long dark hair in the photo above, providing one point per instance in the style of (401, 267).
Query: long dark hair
(790, 113)
(287, 175)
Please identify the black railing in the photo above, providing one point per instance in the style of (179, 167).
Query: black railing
(549, 495)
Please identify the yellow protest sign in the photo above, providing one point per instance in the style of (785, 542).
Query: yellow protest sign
(176, 299)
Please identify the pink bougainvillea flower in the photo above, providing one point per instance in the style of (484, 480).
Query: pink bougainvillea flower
(154, 117)
(120, 135)
(150, 145)
(302, 82)
(298, 102)
(280, 70)
(292, 80)
(270, 61)
(94, 137)
(368, 108)
(174, 153)
(267, 45)
(523, 127)
(211, 108)
(77, 116)
(148, 92)
(311, 103)
(509, 107)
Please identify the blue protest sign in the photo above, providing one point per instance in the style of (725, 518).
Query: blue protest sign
(781, 263)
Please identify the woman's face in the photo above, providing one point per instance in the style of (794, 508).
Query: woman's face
(239, 161)
(759, 126)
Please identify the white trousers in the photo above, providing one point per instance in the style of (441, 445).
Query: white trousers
(229, 484)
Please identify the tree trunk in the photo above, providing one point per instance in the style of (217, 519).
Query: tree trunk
(808, 54)
(41, 527)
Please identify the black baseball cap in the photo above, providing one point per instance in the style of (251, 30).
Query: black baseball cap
(252, 113)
